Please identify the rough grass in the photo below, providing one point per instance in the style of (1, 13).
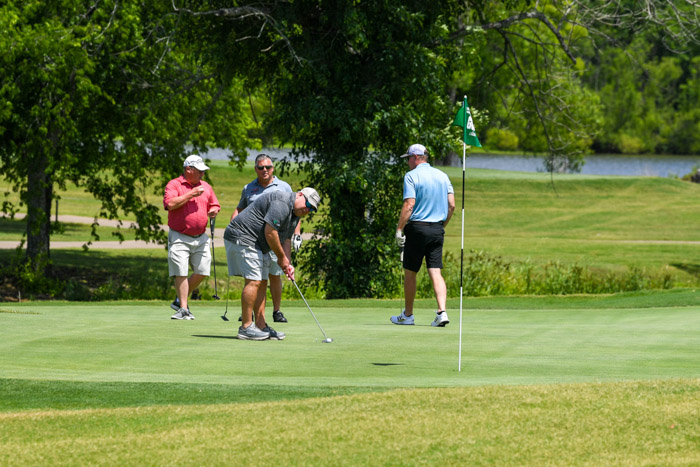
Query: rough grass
(633, 423)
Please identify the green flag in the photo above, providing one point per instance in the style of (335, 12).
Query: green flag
(464, 119)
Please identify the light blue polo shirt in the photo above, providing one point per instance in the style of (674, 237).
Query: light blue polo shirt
(429, 187)
(253, 190)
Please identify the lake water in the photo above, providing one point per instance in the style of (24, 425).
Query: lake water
(599, 164)
(650, 166)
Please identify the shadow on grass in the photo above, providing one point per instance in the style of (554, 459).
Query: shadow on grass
(96, 275)
(214, 337)
(693, 269)
(19, 394)
(16, 228)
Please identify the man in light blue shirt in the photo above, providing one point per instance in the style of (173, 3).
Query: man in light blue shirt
(428, 205)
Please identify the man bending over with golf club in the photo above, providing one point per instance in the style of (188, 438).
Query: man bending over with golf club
(190, 203)
(266, 225)
(266, 182)
(428, 204)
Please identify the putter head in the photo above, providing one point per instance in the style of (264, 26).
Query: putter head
(224, 317)
(327, 340)
(216, 297)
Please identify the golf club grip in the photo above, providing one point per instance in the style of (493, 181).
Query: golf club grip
(213, 256)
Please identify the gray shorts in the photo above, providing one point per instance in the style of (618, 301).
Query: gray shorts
(247, 261)
(184, 251)
(275, 269)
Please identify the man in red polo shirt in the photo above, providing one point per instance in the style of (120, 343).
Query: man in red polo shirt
(190, 203)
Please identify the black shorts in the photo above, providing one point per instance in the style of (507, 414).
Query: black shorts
(423, 241)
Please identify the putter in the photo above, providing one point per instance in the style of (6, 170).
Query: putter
(213, 258)
(327, 339)
(228, 281)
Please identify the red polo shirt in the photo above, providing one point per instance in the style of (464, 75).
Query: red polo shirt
(190, 219)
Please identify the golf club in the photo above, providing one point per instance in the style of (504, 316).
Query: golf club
(212, 221)
(228, 281)
(327, 339)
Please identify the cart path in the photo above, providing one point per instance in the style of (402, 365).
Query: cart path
(219, 235)
(111, 245)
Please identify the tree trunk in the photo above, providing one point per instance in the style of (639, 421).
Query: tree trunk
(38, 199)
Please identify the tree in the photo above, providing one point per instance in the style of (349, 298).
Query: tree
(100, 95)
(364, 80)
(536, 55)
(354, 83)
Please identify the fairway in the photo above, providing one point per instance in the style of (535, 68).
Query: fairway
(588, 379)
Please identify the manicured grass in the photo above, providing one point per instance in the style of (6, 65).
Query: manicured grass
(574, 380)
(522, 217)
(528, 344)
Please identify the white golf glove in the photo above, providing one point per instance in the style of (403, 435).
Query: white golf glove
(400, 238)
(296, 242)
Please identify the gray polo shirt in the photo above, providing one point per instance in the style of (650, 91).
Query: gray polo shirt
(275, 208)
(254, 189)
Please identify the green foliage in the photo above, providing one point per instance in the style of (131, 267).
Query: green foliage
(649, 98)
(630, 144)
(487, 275)
(502, 139)
(355, 105)
(102, 97)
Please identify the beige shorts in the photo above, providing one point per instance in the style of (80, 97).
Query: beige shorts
(185, 251)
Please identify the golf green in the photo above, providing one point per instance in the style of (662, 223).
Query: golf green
(515, 341)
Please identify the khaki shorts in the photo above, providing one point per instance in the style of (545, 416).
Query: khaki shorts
(247, 261)
(185, 251)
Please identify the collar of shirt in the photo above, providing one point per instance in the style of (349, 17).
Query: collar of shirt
(273, 182)
(421, 165)
(184, 181)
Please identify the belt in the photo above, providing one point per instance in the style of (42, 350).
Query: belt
(425, 223)
(191, 236)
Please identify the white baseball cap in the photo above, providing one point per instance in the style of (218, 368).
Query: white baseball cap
(311, 196)
(196, 162)
(416, 150)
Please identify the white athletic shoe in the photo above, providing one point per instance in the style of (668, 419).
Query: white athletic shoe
(402, 319)
(440, 320)
(181, 314)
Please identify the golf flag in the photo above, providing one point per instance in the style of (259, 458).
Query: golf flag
(464, 119)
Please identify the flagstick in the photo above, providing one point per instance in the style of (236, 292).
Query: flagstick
(461, 258)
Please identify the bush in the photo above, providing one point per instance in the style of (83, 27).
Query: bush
(630, 144)
(486, 275)
(502, 139)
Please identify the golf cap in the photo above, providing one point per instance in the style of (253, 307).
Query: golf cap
(311, 196)
(416, 150)
(196, 162)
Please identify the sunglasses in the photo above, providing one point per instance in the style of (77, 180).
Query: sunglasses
(308, 205)
(261, 167)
